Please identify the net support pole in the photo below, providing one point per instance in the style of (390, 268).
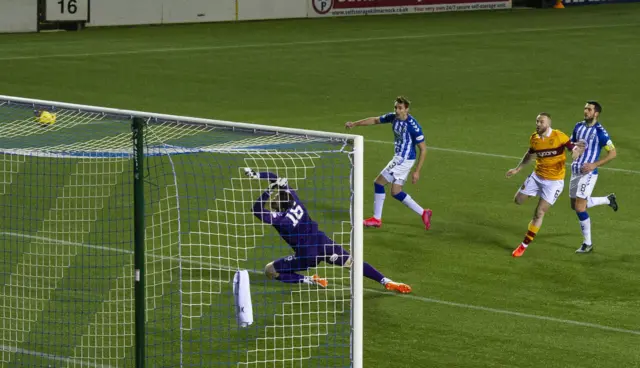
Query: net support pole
(358, 251)
(139, 230)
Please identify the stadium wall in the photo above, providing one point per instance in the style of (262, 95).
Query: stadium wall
(132, 12)
(135, 12)
(18, 15)
(272, 9)
(21, 15)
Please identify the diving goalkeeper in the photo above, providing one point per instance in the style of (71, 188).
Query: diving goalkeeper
(280, 207)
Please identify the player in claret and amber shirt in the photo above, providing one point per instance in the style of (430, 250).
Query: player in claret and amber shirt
(547, 180)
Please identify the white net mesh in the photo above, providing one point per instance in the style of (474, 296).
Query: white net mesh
(67, 240)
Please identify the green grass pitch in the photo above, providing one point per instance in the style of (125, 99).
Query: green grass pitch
(477, 81)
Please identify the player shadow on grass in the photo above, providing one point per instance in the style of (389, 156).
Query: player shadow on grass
(544, 241)
(494, 233)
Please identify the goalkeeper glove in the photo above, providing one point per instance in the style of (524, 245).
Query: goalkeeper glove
(250, 173)
(281, 183)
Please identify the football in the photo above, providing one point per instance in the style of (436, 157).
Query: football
(46, 118)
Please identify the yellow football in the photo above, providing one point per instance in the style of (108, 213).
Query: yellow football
(47, 118)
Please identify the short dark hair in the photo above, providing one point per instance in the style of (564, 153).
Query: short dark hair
(545, 114)
(403, 100)
(596, 106)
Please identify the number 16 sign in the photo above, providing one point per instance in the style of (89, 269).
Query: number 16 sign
(67, 10)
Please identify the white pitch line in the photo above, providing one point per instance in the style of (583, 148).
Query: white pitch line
(413, 297)
(316, 42)
(511, 313)
(11, 349)
(474, 153)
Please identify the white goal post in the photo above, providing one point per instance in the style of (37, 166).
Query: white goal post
(84, 179)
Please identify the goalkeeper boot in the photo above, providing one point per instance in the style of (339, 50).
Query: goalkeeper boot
(519, 251)
(426, 218)
(612, 202)
(372, 222)
(397, 286)
(320, 281)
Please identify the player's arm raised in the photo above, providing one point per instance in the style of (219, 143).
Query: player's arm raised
(260, 175)
(363, 122)
(525, 160)
(260, 210)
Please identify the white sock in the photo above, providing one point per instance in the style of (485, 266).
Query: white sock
(597, 201)
(384, 280)
(308, 280)
(378, 202)
(409, 202)
(524, 245)
(586, 230)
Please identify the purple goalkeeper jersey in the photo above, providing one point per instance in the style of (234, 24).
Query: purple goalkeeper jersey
(295, 225)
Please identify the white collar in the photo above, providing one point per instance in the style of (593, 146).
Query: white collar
(548, 134)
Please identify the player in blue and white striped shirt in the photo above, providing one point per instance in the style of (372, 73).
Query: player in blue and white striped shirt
(408, 134)
(592, 137)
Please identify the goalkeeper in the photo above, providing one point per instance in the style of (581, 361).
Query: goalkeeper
(280, 207)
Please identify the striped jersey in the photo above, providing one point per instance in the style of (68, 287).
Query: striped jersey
(407, 134)
(596, 138)
(550, 153)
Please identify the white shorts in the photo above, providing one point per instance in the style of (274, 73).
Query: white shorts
(397, 170)
(549, 190)
(582, 185)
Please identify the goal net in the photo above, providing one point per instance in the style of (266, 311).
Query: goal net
(68, 179)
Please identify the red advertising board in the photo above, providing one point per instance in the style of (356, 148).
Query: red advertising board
(318, 8)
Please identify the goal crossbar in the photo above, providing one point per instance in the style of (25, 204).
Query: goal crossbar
(356, 141)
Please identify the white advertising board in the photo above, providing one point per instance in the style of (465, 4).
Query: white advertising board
(272, 9)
